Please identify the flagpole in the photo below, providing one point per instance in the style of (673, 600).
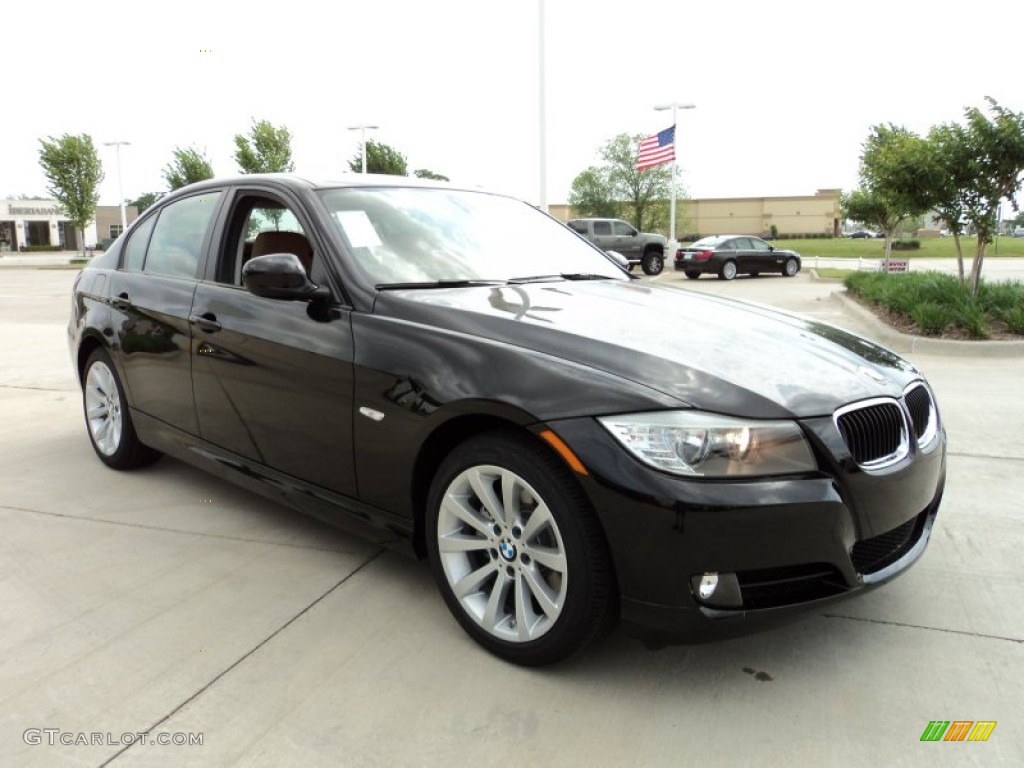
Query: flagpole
(672, 217)
(675, 105)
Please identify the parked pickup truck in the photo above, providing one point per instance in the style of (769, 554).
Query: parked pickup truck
(643, 248)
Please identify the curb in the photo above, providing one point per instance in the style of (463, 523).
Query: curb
(905, 343)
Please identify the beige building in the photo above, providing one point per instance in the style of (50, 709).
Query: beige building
(816, 214)
(40, 223)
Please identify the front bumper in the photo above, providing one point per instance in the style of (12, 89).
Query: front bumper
(788, 544)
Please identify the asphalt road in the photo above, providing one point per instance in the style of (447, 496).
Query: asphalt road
(169, 602)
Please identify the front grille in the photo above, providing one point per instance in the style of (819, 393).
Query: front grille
(878, 552)
(919, 403)
(873, 433)
(775, 587)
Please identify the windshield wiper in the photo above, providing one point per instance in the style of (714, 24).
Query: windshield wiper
(436, 284)
(560, 276)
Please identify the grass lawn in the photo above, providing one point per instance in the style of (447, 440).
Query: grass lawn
(931, 248)
(830, 272)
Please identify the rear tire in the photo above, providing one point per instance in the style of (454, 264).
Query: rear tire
(107, 417)
(516, 550)
(653, 263)
(727, 270)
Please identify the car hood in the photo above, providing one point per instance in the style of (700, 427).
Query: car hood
(708, 352)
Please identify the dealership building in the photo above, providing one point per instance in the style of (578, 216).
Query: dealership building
(42, 223)
(801, 215)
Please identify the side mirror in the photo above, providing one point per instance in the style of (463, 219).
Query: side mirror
(280, 276)
(619, 259)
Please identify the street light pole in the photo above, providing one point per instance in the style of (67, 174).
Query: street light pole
(120, 191)
(674, 106)
(363, 129)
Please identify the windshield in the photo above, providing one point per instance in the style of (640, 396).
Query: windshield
(411, 235)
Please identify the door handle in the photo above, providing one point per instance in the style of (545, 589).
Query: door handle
(207, 321)
(121, 301)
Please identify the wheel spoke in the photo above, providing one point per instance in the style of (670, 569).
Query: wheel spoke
(455, 542)
(484, 490)
(499, 590)
(539, 519)
(549, 558)
(457, 506)
(510, 498)
(523, 612)
(541, 591)
(468, 584)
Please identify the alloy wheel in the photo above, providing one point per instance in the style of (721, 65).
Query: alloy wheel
(502, 553)
(103, 408)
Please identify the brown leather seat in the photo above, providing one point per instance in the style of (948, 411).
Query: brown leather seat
(284, 242)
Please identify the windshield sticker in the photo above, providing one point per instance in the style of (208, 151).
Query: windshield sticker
(358, 229)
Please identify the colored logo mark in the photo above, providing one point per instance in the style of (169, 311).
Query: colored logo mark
(958, 730)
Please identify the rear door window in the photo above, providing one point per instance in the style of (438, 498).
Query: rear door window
(177, 242)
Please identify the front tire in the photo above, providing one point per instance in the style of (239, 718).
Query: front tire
(517, 552)
(107, 418)
(728, 270)
(791, 267)
(653, 263)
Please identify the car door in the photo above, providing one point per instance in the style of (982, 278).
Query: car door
(273, 378)
(762, 257)
(151, 299)
(603, 238)
(627, 240)
(743, 253)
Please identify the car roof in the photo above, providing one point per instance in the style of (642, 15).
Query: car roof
(298, 181)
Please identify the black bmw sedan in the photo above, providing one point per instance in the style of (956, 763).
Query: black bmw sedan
(731, 255)
(378, 352)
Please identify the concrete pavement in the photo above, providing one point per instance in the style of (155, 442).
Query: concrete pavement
(167, 601)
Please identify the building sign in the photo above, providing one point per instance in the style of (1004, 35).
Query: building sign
(16, 210)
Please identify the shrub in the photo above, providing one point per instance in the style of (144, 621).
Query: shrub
(38, 248)
(971, 317)
(932, 318)
(1014, 319)
(906, 245)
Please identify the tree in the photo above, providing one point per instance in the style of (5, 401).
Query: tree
(74, 172)
(864, 205)
(898, 174)
(592, 194)
(266, 150)
(645, 191)
(187, 167)
(146, 199)
(951, 153)
(423, 173)
(996, 148)
(380, 158)
(641, 196)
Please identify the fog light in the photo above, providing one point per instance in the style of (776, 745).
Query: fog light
(717, 590)
(708, 585)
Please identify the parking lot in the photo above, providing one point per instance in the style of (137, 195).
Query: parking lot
(169, 602)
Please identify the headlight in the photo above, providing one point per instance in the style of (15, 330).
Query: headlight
(701, 444)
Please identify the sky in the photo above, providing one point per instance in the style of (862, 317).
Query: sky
(785, 91)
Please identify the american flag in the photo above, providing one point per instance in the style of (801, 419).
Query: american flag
(657, 149)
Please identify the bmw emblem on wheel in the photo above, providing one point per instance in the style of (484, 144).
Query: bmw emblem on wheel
(508, 551)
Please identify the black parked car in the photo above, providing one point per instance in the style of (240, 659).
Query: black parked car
(731, 255)
(379, 353)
